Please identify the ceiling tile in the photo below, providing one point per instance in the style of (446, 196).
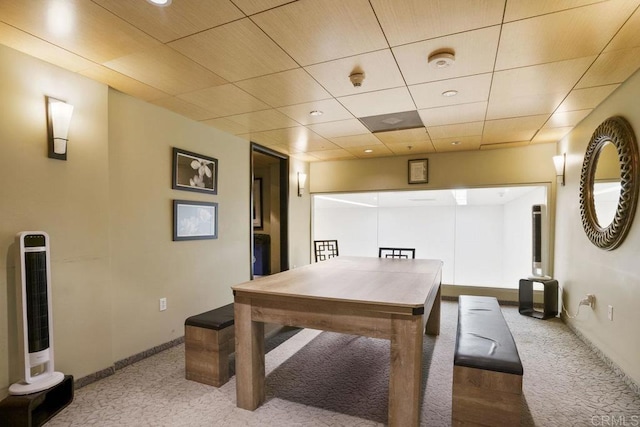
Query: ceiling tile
(566, 119)
(413, 20)
(369, 151)
(554, 77)
(504, 145)
(459, 143)
(406, 136)
(297, 138)
(611, 67)
(257, 121)
(521, 9)
(588, 98)
(454, 131)
(165, 69)
(379, 67)
(475, 53)
(182, 107)
(254, 6)
(312, 31)
(339, 128)
(551, 135)
(470, 89)
(225, 100)
(186, 17)
(518, 106)
(285, 88)
(36, 47)
(235, 51)
(380, 102)
(460, 113)
(366, 139)
(628, 36)
(123, 83)
(527, 42)
(337, 154)
(403, 149)
(331, 111)
(78, 26)
(513, 129)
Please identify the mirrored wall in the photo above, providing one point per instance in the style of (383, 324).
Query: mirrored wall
(483, 235)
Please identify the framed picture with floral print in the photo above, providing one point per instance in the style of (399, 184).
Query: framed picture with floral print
(194, 220)
(194, 172)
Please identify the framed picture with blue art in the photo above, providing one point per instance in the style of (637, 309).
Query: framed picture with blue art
(194, 220)
(194, 172)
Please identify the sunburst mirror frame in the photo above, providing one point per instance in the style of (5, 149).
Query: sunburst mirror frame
(617, 131)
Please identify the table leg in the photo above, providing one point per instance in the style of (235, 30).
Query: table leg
(405, 376)
(250, 392)
(433, 321)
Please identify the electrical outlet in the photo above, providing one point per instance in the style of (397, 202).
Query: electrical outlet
(163, 304)
(610, 313)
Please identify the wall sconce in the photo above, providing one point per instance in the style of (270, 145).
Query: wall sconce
(58, 121)
(560, 162)
(302, 180)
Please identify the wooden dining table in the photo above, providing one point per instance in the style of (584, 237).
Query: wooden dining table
(394, 299)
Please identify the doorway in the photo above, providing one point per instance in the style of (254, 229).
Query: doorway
(270, 211)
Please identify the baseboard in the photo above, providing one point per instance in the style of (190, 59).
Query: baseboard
(610, 363)
(270, 331)
(91, 378)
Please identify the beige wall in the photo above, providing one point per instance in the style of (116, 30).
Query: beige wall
(69, 200)
(581, 268)
(146, 264)
(108, 210)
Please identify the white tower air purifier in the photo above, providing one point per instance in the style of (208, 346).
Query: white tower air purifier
(539, 239)
(34, 314)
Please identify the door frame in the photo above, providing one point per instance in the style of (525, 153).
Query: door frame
(283, 166)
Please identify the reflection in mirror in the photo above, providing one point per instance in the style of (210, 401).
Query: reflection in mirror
(606, 187)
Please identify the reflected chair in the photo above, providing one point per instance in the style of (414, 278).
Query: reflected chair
(397, 253)
(325, 249)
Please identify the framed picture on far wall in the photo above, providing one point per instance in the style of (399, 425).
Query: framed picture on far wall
(194, 172)
(194, 220)
(257, 204)
(419, 171)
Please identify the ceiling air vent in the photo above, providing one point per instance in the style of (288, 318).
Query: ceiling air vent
(394, 121)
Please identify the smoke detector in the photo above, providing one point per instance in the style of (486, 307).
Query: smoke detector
(356, 79)
(441, 59)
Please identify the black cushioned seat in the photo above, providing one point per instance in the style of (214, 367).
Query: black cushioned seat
(483, 339)
(217, 319)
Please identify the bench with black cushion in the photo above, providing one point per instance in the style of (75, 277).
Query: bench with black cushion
(487, 371)
(209, 339)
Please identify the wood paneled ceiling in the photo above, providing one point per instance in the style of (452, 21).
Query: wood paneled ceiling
(525, 72)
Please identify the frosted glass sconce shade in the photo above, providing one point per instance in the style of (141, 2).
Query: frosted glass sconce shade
(302, 180)
(58, 120)
(559, 162)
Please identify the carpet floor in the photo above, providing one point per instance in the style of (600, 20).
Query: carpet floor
(319, 378)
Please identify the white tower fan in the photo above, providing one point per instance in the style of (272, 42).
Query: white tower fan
(33, 272)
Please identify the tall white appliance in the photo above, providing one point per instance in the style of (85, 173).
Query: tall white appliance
(35, 323)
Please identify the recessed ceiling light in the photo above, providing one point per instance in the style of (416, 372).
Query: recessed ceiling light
(368, 150)
(441, 59)
(455, 143)
(449, 93)
(316, 113)
(160, 2)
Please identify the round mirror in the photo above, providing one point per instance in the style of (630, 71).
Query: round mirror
(609, 183)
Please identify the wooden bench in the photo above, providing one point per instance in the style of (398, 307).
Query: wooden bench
(487, 371)
(209, 339)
